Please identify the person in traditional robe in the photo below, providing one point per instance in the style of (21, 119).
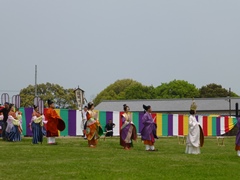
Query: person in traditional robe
(36, 125)
(128, 131)
(94, 129)
(195, 135)
(13, 123)
(54, 123)
(237, 145)
(18, 126)
(148, 132)
(5, 112)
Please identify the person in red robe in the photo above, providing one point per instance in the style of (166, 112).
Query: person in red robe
(54, 123)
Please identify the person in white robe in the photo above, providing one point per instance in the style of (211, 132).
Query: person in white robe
(195, 135)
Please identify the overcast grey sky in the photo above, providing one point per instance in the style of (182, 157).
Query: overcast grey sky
(92, 43)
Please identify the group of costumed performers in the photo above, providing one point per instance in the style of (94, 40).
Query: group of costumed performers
(128, 132)
(93, 127)
(13, 129)
(195, 138)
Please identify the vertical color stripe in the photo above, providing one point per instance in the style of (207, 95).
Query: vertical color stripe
(159, 124)
(78, 123)
(170, 125)
(64, 116)
(102, 118)
(116, 119)
(222, 125)
(165, 125)
(226, 124)
(209, 124)
(180, 125)
(218, 126)
(205, 123)
(175, 124)
(28, 114)
(136, 120)
(214, 126)
(186, 124)
(72, 123)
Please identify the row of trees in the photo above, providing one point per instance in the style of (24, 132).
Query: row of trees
(130, 89)
(124, 89)
(64, 98)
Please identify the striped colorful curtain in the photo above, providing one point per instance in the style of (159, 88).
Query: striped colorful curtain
(168, 124)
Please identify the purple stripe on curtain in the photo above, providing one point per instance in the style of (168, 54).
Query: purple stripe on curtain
(72, 122)
(170, 125)
(141, 114)
(28, 114)
(218, 121)
(109, 116)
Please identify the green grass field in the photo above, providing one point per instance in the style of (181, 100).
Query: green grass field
(72, 159)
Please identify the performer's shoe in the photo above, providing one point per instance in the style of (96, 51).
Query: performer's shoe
(92, 146)
(126, 148)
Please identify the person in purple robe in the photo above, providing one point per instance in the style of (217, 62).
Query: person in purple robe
(148, 132)
(128, 131)
(237, 147)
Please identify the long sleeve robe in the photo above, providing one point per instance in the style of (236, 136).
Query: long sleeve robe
(52, 122)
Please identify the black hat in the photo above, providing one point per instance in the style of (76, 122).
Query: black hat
(49, 102)
(6, 103)
(34, 106)
(146, 107)
(90, 104)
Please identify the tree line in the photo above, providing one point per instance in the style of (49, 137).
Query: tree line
(128, 89)
(125, 89)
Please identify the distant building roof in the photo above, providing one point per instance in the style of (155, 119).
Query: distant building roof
(170, 105)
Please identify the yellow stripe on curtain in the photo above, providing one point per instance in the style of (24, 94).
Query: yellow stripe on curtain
(209, 125)
(159, 124)
(185, 125)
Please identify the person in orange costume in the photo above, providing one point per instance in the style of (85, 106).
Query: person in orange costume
(53, 122)
(93, 130)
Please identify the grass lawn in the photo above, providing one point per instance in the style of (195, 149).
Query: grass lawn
(72, 159)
